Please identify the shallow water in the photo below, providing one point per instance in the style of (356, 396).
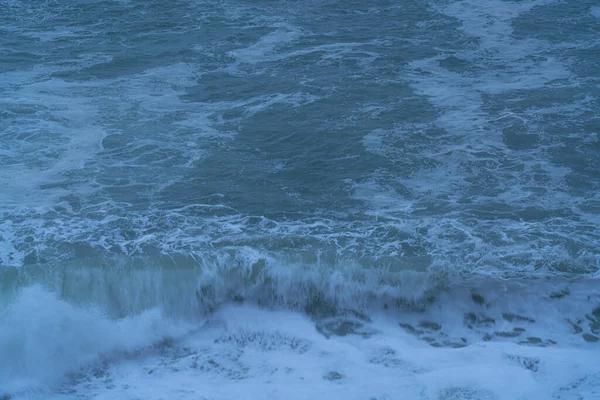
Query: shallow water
(314, 199)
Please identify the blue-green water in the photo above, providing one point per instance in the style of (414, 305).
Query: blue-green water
(323, 156)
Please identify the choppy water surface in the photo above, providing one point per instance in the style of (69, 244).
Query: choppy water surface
(300, 199)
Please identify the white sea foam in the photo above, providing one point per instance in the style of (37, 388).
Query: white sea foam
(269, 354)
(272, 47)
(266, 45)
(76, 138)
(43, 338)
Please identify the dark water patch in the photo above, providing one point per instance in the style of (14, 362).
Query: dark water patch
(518, 138)
(388, 357)
(538, 342)
(430, 325)
(478, 320)
(343, 327)
(333, 376)
(514, 317)
(478, 299)
(508, 334)
(530, 363)
(590, 338)
(449, 344)
(594, 320)
(432, 334)
(576, 326)
(561, 294)
(534, 340)
(410, 329)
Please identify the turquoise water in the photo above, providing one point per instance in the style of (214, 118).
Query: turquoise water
(319, 157)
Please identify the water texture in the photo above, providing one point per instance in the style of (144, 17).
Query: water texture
(299, 199)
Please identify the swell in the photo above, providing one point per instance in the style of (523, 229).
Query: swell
(188, 288)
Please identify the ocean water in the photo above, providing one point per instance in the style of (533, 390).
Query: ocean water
(300, 199)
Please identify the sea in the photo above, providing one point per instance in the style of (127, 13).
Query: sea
(300, 199)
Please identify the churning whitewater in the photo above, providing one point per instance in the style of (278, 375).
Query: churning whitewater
(312, 199)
